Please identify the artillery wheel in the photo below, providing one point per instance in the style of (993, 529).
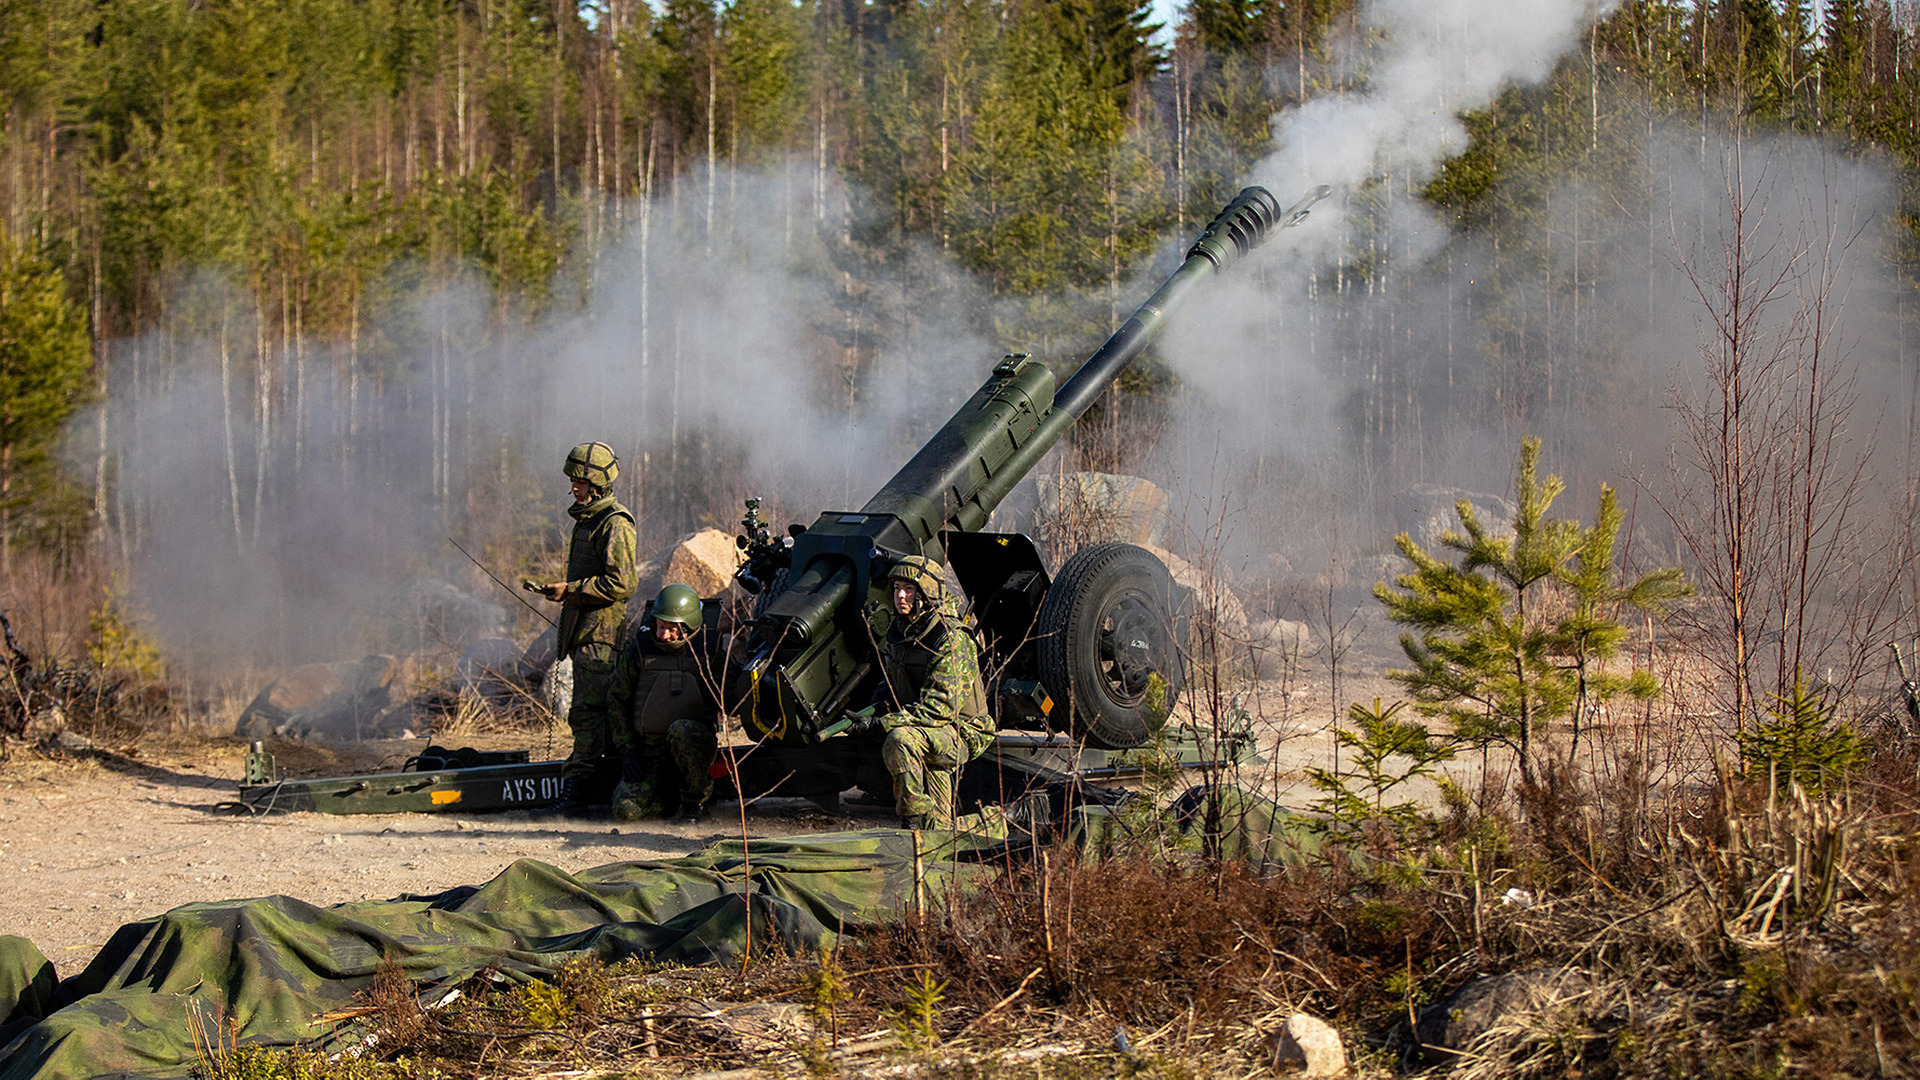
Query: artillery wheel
(1106, 629)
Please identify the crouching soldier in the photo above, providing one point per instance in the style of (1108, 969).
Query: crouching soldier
(934, 699)
(663, 697)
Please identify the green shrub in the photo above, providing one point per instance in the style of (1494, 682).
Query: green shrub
(1383, 753)
(1802, 745)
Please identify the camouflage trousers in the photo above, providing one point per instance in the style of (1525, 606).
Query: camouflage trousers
(662, 771)
(589, 717)
(923, 761)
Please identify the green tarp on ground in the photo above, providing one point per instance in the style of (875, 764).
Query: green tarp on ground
(261, 971)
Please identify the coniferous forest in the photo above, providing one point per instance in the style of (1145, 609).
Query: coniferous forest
(1576, 428)
(295, 290)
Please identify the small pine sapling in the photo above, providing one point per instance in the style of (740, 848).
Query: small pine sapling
(1384, 753)
(1801, 744)
(913, 1022)
(1520, 632)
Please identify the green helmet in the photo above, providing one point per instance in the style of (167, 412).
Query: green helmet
(593, 462)
(678, 604)
(924, 573)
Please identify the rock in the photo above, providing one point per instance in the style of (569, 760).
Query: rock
(427, 613)
(540, 652)
(1278, 646)
(70, 740)
(45, 724)
(1081, 508)
(557, 689)
(704, 560)
(1483, 1004)
(1310, 1046)
(1426, 511)
(339, 700)
(1219, 619)
(494, 669)
(753, 1027)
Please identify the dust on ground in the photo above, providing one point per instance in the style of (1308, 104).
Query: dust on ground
(108, 837)
(90, 844)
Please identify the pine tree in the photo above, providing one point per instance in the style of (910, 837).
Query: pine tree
(1228, 26)
(1842, 53)
(768, 74)
(1110, 41)
(45, 361)
(1520, 631)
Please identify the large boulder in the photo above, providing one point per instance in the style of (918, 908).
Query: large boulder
(428, 613)
(1427, 511)
(556, 690)
(497, 671)
(704, 560)
(1219, 620)
(1075, 509)
(340, 700)
(1278, 647)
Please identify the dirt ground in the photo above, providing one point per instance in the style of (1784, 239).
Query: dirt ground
(103, 839)
(88, 845)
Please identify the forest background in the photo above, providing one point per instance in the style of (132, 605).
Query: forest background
(295, 290)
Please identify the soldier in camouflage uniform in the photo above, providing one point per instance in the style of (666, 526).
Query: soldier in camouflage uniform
(937, 700)
(664, 705)
(600, 579)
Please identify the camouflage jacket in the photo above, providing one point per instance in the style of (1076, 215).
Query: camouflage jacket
(933, 678)
(654, 686)
(600, 576)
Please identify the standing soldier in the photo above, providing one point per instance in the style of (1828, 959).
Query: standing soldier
(600, 579)
(663, 702)
(932, 684)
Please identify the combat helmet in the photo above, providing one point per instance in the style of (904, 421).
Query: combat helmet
(593, 462)
(924, 573)
(678, 603)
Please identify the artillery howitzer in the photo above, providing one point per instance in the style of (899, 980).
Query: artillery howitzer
(1093, 653)
(1099, 644)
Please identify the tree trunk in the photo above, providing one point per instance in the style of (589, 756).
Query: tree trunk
(226, 425)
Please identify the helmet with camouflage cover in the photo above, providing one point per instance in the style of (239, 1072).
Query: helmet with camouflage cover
(678, 604)
(593, 462)
(924, 574)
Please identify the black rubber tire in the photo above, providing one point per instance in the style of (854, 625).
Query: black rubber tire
(771, 591)
(1106, 625)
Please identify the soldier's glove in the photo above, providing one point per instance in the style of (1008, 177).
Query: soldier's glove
(863, 722)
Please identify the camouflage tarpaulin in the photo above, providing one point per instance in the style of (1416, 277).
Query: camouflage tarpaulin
(1235, 823)
(26, 986)
(263, 971)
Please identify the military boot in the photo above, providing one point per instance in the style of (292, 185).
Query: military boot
(690, 813)
(573, 798)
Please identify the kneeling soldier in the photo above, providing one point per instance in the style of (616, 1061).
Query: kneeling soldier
(663, 697)
(938, 701)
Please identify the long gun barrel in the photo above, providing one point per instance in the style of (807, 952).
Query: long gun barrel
(964, 471)
(971, 464)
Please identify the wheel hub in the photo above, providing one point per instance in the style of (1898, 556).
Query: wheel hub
(1132, 649)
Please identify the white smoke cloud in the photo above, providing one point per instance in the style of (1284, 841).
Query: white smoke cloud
(1267, 385)
(287, 534)
(1433, 60)
(1343, 364)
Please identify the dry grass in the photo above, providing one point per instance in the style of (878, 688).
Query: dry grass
(1721, 929)
(1718, 928)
